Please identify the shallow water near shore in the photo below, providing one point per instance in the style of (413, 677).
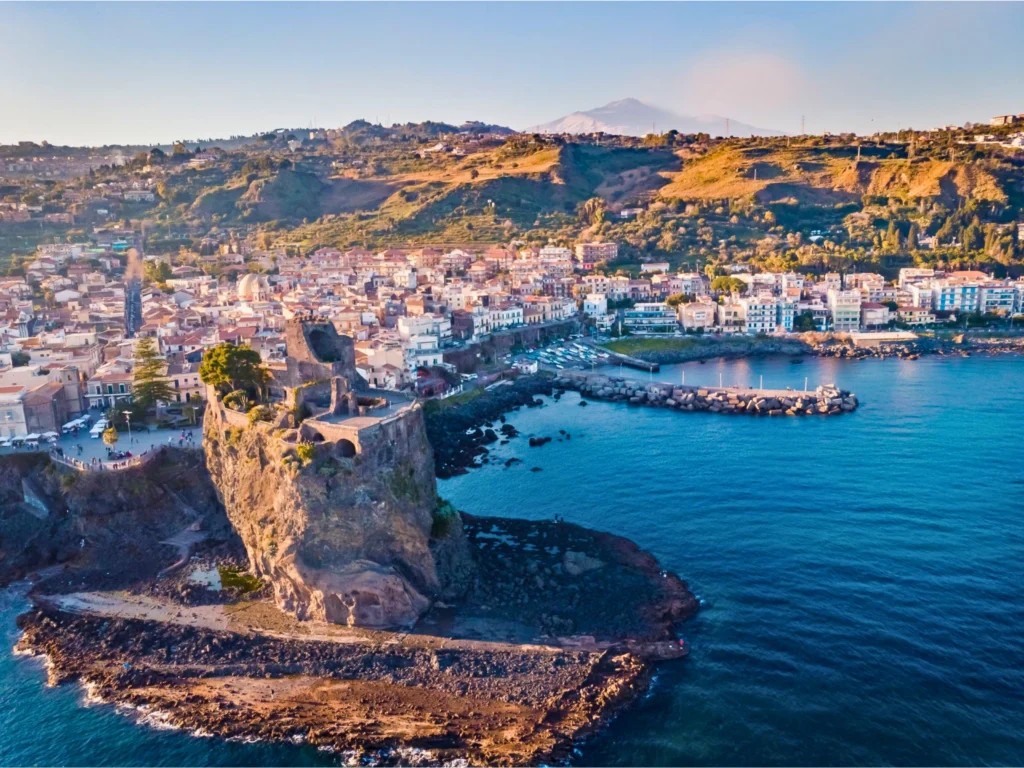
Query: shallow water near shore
(861, 574)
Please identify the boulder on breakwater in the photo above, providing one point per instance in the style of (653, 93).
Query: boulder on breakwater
(823, 401)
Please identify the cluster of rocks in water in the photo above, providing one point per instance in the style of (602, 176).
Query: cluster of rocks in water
(460, 435)
(882, 351)
(825, 400)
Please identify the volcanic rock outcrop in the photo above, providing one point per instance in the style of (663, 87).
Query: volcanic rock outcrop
(332, 491)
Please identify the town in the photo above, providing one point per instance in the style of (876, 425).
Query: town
(412, 313)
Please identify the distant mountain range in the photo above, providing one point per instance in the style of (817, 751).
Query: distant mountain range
(632, 117)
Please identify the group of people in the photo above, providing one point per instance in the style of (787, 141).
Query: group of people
(115, 460)
(185, 438)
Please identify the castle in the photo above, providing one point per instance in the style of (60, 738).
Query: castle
(341, 529)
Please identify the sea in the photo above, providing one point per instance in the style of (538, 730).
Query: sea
(860, 576)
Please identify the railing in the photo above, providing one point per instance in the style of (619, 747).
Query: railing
(97, 465)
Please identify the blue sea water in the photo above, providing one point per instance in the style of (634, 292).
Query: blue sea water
(861, 575)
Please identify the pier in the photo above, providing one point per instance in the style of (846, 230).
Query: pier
(826, 400)
(617, 358)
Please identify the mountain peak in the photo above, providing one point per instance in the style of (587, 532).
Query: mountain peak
(627, 102)
(632, 117)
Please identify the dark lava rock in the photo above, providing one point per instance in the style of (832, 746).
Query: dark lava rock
(455, 433)
(536, 442)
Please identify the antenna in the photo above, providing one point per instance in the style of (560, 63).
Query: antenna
(803, 125)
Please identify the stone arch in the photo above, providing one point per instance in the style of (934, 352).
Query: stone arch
(346, 448)
(310, 434)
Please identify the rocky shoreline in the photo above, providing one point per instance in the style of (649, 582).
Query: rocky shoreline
(965, 347)
(460, 434)
(558, 635)
(824, 401)
(500, 707)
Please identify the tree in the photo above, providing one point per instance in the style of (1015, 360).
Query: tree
(676, 299)
(724, 284)
(912, 234)
(110, 436)
(158, 271)
(19, 358)
(592, 211)
(228, 367)
(150, 385)
(804, 322)
(474, 173)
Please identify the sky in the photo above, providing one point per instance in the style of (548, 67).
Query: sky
(146, 73)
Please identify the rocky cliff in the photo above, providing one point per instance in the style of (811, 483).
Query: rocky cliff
(110, 528)
(342, 532)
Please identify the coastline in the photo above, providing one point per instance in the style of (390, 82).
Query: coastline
(453, 704)
(694, 349)
(524, 668)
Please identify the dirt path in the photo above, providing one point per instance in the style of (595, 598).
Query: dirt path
(262, 617)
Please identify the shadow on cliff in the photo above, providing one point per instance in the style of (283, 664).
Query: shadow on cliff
(108, 528)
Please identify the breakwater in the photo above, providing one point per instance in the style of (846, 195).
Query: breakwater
(822, 401)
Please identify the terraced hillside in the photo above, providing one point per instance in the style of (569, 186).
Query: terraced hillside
(831, 176)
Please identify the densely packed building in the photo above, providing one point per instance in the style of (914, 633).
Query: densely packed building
(67, 324)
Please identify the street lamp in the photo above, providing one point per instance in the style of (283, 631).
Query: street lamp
(128, 418)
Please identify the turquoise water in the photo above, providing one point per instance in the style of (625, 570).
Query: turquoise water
(861, 575)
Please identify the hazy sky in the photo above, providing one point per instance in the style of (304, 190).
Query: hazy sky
(124, 72)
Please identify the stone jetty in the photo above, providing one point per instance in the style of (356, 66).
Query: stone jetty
(823, 401)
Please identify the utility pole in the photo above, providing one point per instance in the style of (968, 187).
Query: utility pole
(727, 127)
(803, 125)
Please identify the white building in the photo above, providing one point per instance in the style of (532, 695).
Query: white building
(650, 316)
(595, 305)
(950, 296)
(765, 314)
(845, 309)
(998, 298)
(12, 411)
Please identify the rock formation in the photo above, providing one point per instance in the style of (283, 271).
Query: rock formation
(334, 494)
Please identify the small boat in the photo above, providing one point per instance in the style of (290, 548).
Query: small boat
(796, 361)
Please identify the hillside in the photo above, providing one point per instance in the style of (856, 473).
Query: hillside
(488, 197)
(781, 201)
(830, 176)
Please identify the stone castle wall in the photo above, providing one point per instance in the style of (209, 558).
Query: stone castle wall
(344, 534)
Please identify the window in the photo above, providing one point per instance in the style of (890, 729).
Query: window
(122, 388)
